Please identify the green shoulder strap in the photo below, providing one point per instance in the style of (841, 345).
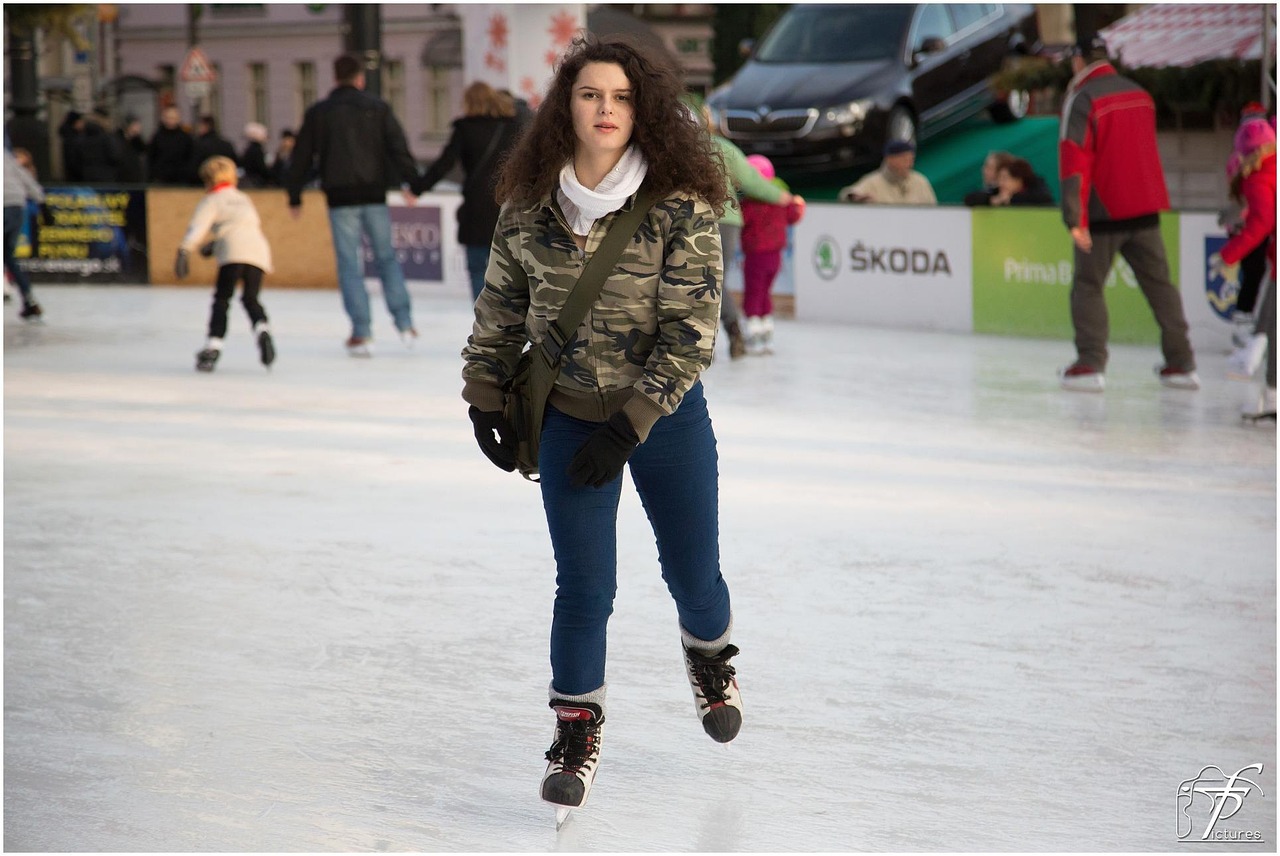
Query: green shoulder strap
(587, 289)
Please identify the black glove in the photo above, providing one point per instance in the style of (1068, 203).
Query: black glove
(181, 265)
(502, 449)
(207, 249)
(600, 459)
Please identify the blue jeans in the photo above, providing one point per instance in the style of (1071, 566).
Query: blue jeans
(14, 217)
(675, 473)
(346, 224)
(477, 264)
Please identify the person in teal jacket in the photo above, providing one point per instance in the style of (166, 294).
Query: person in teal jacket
(744, 179)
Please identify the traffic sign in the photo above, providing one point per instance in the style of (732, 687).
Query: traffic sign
(196, 68)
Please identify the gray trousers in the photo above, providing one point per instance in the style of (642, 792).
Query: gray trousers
(729, 237)
(1144, 251)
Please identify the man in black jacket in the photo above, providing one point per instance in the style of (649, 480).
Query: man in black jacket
(358, 148)
(169, 152)
(207, 144)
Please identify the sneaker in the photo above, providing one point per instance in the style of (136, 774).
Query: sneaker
(574, 753)
(360, 346)
(207, 359)
(266, 348)
(1177, 378)
(1263, 407)
(1244, 361)
(409, 337)
(715, 691)
(737, 344)
(1078, 377)
(31, 311)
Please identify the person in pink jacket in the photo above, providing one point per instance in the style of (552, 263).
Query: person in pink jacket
(1254, 184)
(764, 237)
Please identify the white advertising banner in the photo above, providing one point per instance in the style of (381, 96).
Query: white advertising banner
(516, 46)
(1209, 300)
(885, 266)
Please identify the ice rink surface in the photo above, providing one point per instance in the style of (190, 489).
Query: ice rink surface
(297, 610)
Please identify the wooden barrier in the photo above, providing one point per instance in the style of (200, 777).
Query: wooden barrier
(301, 250)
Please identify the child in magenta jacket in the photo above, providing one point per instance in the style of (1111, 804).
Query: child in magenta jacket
(764, 237)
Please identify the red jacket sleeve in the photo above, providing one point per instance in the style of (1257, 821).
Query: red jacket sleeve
(1259, 222)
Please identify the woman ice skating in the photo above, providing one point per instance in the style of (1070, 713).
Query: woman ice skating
(227, 217)
(612, 129)
(480, 140)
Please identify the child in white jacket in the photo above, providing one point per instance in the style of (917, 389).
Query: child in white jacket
(242, 251)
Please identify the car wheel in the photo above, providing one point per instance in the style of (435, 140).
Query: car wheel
(1013, 107)
(901, 125)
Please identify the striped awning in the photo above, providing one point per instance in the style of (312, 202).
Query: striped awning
(1181, 35)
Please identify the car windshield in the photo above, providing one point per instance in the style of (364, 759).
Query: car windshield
(836, 34)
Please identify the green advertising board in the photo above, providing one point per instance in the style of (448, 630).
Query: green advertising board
(1022, 267)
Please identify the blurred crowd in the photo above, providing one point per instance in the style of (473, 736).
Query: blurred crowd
(95, 149)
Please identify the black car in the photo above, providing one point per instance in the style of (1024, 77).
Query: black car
(829, 85)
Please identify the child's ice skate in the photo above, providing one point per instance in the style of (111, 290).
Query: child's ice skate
(766, 335)
(266, 347)
(31, 312)
(207, 359)
(755, 335)
(1261, 408)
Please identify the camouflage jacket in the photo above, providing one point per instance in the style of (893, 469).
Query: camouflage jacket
(645, 341)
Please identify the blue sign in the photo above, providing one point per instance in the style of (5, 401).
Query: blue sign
(1220, 292)
(418, 240)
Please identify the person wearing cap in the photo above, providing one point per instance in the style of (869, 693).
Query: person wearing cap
(895, 182)
(1113, 191)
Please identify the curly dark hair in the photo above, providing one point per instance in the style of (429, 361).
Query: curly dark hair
(679, 152)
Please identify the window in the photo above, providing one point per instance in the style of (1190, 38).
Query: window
(215, 96)
(439, 110)
(934, 22)
(259, 93)
(818, 34)
(968, 14)
(393, 86)
(304, 90)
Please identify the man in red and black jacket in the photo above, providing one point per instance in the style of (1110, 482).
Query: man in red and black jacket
(1113, 191)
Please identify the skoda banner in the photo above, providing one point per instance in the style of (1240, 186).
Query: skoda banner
(884, 266)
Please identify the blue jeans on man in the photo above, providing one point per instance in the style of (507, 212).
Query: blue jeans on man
(675, 472)
(477, 264)
(14, 219)
(347, 223)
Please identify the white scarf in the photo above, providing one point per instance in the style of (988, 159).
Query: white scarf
(584, 206)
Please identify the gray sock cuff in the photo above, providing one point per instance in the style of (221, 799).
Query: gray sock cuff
(707, 647)
(596, 696)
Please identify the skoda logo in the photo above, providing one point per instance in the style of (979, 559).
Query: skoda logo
(763, 110)
(826, 258)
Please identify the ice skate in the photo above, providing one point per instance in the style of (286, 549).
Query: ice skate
(266, 347)
(1242, 325)
(360, 346)
(1245, 360)
(1178, 378)
(409, 337)
(207, 359)
(573, 756)
(737, 343)
(1262, 408)
(715, 691)
(766, 335)
(1078, 377)
(31, 312)
(755, 336)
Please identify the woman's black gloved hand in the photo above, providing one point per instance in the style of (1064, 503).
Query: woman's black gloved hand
(501, 449)
(600, 459)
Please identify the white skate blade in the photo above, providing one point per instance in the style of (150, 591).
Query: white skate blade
(562, 814)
